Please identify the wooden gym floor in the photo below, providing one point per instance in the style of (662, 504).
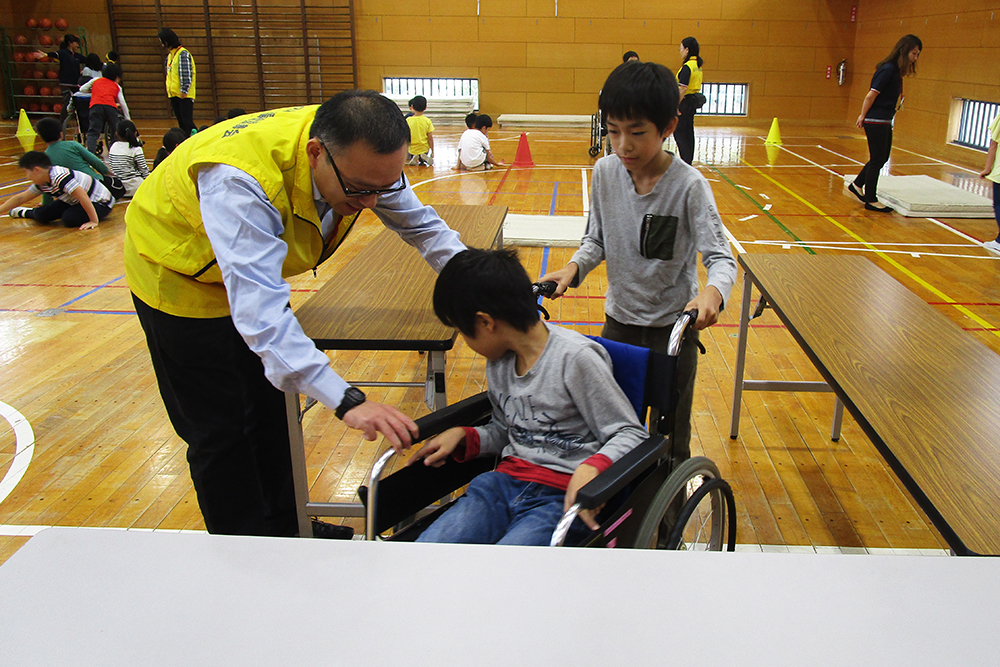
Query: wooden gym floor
(100, 452)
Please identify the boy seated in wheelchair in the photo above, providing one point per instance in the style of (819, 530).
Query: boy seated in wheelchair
(559, 417)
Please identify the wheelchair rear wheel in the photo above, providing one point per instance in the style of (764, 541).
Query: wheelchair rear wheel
(700, 524)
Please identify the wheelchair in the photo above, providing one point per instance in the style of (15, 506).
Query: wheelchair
(599, 141)
(647, 502)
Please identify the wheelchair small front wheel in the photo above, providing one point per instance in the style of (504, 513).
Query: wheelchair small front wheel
(706, 518)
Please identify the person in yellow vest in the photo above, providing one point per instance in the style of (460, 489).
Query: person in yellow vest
(182, 80)
(689, 79)
(210, 237)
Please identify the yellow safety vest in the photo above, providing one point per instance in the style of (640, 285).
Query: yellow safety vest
(174, 75)
(169, 261)
(694, 83)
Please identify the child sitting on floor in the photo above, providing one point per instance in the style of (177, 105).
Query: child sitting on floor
(127, 159)
(559, 416)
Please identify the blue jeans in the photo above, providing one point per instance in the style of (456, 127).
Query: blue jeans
(498, 509)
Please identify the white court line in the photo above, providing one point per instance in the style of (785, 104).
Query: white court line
(934, 159)
(955, 231)
(586, 195)
(732, 239)
(838, 154)
(749, 217)
(12, 530)
(811, 162)
(786, 245)
(25, 439)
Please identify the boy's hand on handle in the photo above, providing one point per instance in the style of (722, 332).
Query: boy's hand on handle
(436, 451)
(372, 418)
(562, 278)
(581, 476)
(708, 302)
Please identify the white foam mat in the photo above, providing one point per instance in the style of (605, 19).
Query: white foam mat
(926, 197)
(544, 230)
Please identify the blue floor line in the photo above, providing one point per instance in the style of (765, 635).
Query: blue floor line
(555, 194)
(91, 291)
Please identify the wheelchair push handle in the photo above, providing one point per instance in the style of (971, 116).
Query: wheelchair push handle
(547, 288)
(688, 317)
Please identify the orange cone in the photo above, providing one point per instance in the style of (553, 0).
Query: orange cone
(523, 157)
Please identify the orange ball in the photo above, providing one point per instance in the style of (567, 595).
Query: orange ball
(29, 57)
(45, 24)
(52, 74)
(19, 57)
(44, 91)
(47, 108)
(29, 90)
(31, 24)
(33, 107)
(45, 40)
(61, 24)
(20, 39)
(57, 108)
(39, 74)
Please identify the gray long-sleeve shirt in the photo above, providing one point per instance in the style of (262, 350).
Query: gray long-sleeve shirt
(565, 409)
(652, 291)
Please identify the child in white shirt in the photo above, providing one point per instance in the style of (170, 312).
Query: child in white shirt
(474, 147)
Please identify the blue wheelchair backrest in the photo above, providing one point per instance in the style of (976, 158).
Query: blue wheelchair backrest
(630, 366)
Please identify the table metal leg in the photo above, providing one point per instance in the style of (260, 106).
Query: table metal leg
(838, 418)
(434, 391)
(741, 356)
(298, 450)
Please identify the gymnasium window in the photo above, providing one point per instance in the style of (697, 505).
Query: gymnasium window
(973, 125)
(724, 99)
(455, 89)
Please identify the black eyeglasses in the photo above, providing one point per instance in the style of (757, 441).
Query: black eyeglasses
(350, 192)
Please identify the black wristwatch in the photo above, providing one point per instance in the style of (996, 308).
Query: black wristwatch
(353, 397)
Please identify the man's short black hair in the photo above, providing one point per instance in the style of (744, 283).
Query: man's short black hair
(49, 129)
(482, 120)
(628, 55)
(33, 159)
(419, 103)
(169, 38)
(235, 112)
(361, 115)
(112, 72)
(484, 281)
(470, 120)
(112, 55)
(641, 91)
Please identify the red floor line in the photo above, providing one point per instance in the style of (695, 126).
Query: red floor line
(500, 185)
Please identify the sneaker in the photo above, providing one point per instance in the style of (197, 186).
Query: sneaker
(989, 245)
(423, 163)
(331, 532)
(19, 212)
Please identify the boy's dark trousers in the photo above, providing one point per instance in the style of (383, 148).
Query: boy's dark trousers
(72, 215)
(232, 419)
(183, 109)
(101, 115)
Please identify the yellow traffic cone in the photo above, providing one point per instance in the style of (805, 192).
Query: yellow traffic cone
(24, 126)
(774, 136)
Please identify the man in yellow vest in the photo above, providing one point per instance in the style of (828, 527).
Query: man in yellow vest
(210, 237)
(182, 80)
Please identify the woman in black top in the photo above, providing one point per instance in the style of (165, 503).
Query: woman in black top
(877, 113)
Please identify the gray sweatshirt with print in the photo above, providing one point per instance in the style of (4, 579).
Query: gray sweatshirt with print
(651, 242)
(565, 409)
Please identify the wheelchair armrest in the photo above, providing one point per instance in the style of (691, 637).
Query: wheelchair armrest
(600, 490)
(471, 411)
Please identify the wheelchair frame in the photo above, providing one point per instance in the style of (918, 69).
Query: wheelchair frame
(642, 483)
(598, 136)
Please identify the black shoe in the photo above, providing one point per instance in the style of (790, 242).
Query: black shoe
(881, 209)
(328, 531)
(857, 194)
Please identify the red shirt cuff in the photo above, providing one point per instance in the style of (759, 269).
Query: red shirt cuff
(599, 461)
(470, 448)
